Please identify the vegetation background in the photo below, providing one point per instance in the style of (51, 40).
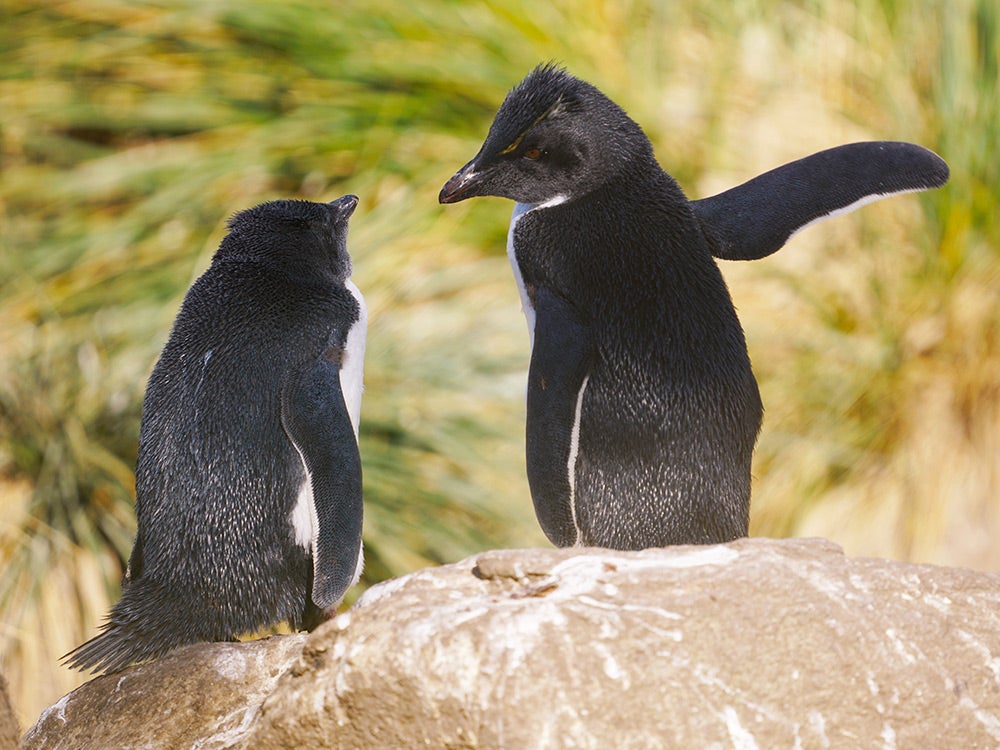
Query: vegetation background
(130, 131)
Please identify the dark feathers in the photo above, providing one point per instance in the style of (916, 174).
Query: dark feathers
(756, 218)
(216, 554)
(642, 407)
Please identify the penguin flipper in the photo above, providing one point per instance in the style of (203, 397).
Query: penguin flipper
(561, 359)
(314, 414)
(755, 219)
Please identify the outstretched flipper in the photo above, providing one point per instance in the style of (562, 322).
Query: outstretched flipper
(756, 218)
(561, 359)
(315, 416)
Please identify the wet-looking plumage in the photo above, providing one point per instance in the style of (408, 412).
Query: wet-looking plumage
(643, 410)
(248, 481)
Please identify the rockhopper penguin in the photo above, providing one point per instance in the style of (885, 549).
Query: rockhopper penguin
(248, 482)
(642, 409)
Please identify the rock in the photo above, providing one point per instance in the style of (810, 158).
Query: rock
(205, 696)
(9, 731)
(755, 644)
(758, 643)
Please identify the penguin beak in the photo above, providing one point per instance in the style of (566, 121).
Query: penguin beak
(462, 185)
(344, 206)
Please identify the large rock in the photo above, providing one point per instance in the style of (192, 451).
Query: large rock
(755, 644)
(202, 696)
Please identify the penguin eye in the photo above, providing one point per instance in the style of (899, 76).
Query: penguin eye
(532, 153)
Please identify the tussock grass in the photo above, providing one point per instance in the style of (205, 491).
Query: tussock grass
(131, 131)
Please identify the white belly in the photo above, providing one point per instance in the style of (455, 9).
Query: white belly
(352, 367)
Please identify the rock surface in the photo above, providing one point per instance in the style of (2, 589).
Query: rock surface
(202, 696)
(755, 644)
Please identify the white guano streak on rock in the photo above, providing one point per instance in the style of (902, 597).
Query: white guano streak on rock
(989, 721)
(555, 734)
(990, 661)
(520, 629)
(611, 666)
(941, 603)
(872, 685)
(741, 738)
(714, 555)
(615, 610)
(708, 676)
(834, 589)
(424, 631)
(230, 665)
(591, 569)
(798, 738)
(380, 591)
(907, 651)
(58, 708)
(818, 724)
(888, 736)
(858, 582)
(229, 737)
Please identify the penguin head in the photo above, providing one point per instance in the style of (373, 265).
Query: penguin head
(293, 233)
(554, 139)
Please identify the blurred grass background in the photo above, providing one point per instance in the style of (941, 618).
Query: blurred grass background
(130, 131)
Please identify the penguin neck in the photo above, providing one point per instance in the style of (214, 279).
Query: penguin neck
(520, 209)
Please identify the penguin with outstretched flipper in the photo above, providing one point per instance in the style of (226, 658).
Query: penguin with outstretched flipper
(642, 409)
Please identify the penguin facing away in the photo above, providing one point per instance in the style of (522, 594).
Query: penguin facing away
(248, 480)
(642, 409)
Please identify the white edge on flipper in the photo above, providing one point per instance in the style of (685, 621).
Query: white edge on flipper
(520, 209)
(305, 524)
(574, 450)
(853, 207)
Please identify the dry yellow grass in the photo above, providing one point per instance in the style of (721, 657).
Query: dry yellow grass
(131, 131)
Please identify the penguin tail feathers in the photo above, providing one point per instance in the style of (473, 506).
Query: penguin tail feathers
(111, 650)
(146, 623)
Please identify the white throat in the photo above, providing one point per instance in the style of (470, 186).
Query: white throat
(520, 209)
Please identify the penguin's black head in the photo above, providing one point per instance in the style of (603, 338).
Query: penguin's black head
(293, 233)
(554, 138)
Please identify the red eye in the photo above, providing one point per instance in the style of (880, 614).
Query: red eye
(532, 153)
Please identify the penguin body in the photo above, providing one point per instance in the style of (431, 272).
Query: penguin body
(248, 479)
(642, 409)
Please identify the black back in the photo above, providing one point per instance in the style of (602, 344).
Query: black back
(217, 476)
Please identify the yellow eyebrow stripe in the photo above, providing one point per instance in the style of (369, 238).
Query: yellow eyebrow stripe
(517, 141)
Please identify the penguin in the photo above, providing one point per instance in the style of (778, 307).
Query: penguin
(642, 408)
(248, 477)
